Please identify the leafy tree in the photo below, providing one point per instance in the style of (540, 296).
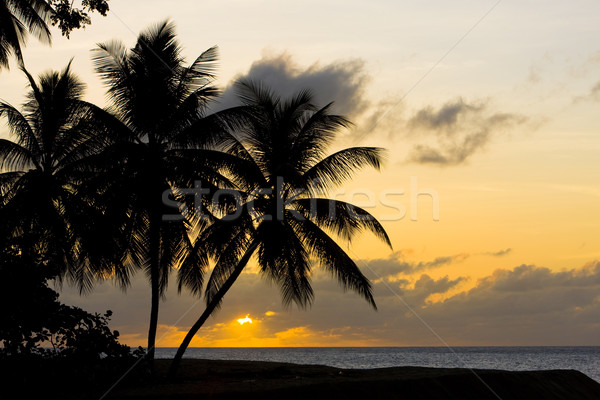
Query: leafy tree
(284, 219)
(18, 18)
(42, 173)
(69, 18)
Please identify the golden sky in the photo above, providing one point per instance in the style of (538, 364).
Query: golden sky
(491, 107)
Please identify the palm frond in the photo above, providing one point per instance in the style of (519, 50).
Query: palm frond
(14, 157)
(34, 14)
(199, 74)
(111, 63)
(283, 258)
(315, 135)
(340, 166)
(334, 258)
(344, 219)
(7, 181)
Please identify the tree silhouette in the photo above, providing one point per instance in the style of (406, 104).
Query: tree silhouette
(44, 212)
(163, 147)
(68, 17)
(284, 219)
(18, 18)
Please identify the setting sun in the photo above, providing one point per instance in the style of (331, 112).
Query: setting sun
(242, 321)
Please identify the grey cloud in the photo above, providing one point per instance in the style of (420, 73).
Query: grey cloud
(444, 118)
(592, 95)
(528, 277)
(499, 253)
(595, 91)
(524, 305)
(342, 82)
(426, 286)
(383, 116)
(396, 264)
(457, 129)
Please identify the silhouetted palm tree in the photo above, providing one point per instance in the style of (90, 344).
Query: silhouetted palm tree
(18, 18)
(162, 149)
(43, 208)
(284, 218)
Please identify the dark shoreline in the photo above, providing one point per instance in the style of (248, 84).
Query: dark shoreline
(216, 379)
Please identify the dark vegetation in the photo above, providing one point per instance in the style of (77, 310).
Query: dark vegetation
(90, 194)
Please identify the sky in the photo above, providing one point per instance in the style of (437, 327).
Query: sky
(491, 188)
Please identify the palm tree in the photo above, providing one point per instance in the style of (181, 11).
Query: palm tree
(284, 218)
(18, 18)
(44, 211)
(160, 104)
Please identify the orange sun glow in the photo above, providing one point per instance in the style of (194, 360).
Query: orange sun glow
(242, 321)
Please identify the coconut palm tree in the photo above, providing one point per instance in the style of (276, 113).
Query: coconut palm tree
(165, 134)
(18, 18)
(44, 211)
(284, 219)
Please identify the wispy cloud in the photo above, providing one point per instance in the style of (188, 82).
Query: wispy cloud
(452, 133)
(396, 266)
(499, 253)
(592, 95)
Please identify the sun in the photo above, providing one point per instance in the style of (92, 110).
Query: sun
(242, 321)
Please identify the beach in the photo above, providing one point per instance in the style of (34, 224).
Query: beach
(217, 379)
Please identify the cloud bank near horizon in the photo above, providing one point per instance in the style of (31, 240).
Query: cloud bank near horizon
(524, 305)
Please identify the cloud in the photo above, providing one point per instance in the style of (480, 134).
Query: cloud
(592, 95)
(385, 116)
(425, 287)
(445, 117)
(590, 64)
(499, 253)
(452, 133)
(523, 305)
(343, 82)
(396, 266)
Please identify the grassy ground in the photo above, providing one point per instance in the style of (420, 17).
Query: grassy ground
(201, 379)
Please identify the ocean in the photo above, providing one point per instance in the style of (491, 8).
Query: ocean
(582, 358)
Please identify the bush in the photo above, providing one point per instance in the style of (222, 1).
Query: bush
(45, 342)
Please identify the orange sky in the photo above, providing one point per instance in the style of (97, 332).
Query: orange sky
(496, 116)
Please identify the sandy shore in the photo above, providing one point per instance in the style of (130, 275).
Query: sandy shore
(262, 380)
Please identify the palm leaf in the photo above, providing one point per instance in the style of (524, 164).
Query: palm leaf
(344, 219)
(340, 166)
(334, 258)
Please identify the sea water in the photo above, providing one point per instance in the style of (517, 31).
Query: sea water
(582, 358)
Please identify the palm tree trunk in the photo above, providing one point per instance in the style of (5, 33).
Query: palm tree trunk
(154, 284)
(210, 308)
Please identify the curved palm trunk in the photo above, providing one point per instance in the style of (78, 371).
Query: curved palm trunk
(210, 308)
(154, 284)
